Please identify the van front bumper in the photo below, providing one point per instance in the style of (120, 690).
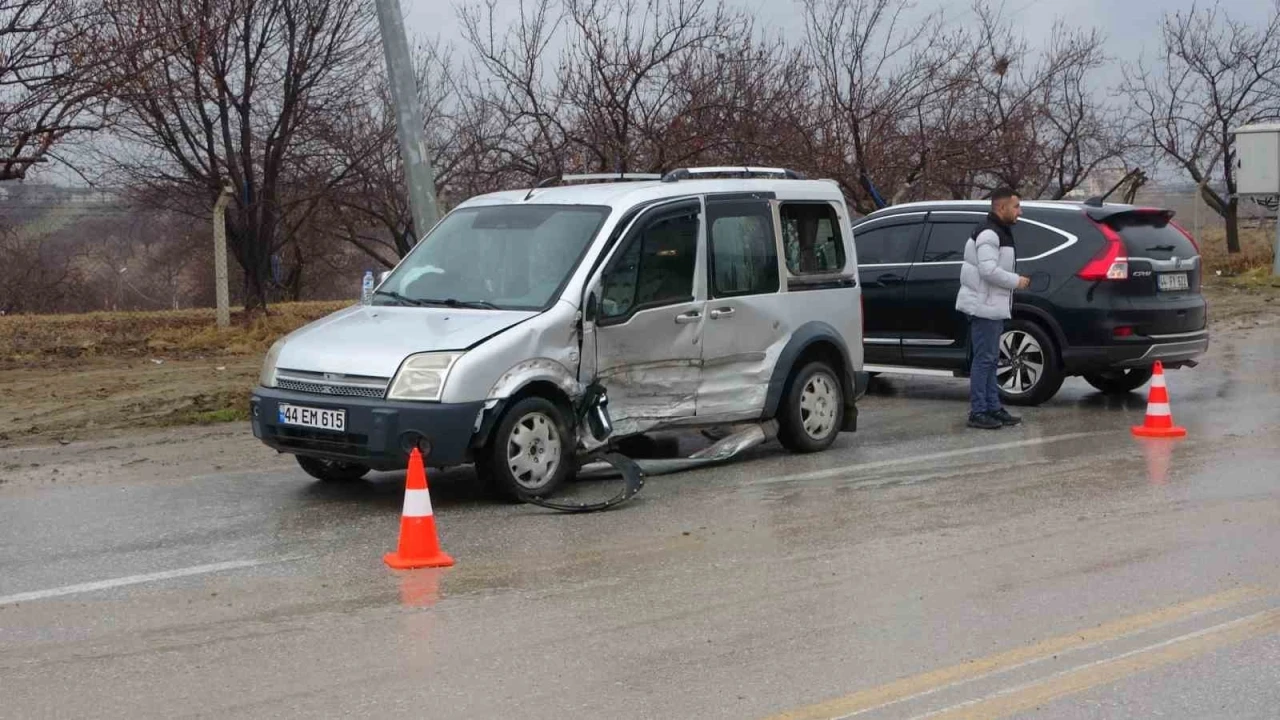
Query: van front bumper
(378, 433)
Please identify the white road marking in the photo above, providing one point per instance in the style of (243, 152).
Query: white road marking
(133, 580)
(913, 459)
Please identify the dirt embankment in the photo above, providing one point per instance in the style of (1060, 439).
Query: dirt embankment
(79, 377)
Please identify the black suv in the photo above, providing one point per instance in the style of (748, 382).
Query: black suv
(1114, 288)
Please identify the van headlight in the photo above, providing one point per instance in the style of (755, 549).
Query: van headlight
(422, 376)
(267, 378)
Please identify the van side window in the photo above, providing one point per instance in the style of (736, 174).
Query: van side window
(947, 241)
(811, 236)
(884, 244)
(744, 249)
(654, 269)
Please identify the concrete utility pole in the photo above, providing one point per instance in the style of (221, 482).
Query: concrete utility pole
(220, 256)
(404, 93)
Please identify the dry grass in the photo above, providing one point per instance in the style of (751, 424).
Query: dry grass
(66, 340)
(1256, 251)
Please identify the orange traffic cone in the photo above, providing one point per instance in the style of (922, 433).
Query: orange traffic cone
(1159, 420)
(419, 546)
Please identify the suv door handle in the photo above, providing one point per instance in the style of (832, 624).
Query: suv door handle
(889, 279)
(689, 317)
(721, 313)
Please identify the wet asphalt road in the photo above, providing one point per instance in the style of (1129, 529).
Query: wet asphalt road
(1059, 570)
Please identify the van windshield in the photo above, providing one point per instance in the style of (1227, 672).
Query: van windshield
(508, 257)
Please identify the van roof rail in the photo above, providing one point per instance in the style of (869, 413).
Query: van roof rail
(592, 177)
(743, 171)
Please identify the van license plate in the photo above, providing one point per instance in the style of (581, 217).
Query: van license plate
(335, 420)
(1174, 281)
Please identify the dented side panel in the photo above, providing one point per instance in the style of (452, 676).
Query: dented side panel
(542, 348)
(651, 367)
(741, 351)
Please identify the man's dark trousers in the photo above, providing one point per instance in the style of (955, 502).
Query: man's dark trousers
(984, 389)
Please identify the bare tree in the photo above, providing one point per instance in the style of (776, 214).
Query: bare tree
(1214, 73)
(235, 92)
(520, 90)
(636, 87)
(47, 90)
(881, 78)
(371, 211)
(619, 77)
(1034, 120)
(37, 272)
(747, 98)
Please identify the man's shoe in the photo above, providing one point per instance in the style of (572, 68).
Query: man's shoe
(984, 421)
(1005, 418)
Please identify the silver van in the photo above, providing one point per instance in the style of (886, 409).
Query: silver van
(703, 297)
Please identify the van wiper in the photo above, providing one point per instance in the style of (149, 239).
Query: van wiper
(470, 304)
(400, 298)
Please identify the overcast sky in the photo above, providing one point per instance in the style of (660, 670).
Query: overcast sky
(1130, 25)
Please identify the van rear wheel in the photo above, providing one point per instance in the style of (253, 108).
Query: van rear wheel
(812, 409)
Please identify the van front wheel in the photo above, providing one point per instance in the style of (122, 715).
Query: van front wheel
(812, 409)
(531, 452)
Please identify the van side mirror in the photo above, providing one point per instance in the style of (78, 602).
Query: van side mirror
(382, 276)
(592, 308)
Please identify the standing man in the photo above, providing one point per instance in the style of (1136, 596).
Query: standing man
(987, 282)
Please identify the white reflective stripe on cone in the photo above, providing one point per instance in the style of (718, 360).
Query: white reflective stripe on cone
(417, 503)
(1157, 380)
(1158, 409)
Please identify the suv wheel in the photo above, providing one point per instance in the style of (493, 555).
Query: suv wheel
(1028, 370)
(531, 452)
(1120, 381)
(812, 409)
(331, 470)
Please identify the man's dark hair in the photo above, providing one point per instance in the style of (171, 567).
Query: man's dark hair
(1003, 193)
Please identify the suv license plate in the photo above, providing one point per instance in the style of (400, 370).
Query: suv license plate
(1174, 281)
(335, 420)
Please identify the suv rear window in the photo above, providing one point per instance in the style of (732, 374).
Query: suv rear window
(1152, 236)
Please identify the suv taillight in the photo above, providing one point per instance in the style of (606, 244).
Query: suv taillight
(1110, 263)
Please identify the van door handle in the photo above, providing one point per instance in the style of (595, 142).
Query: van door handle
(722, 313)
(689, 317)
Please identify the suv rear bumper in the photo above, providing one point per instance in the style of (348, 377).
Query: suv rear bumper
(378, 433)
(1172, 351)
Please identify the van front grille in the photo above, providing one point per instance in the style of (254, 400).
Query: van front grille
(332, 384)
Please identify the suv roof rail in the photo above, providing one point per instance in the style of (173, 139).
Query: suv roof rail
(736, 170)
(592, 177)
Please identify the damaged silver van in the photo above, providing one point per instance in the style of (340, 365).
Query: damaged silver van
(532, 328)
